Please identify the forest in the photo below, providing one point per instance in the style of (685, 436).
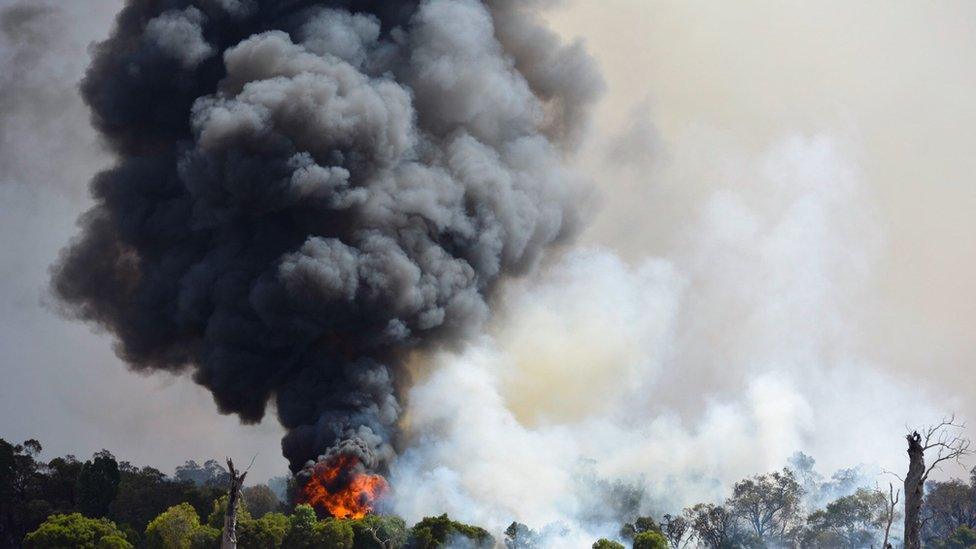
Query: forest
(105, 503)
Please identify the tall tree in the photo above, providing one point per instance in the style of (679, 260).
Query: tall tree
(770, 504)
(98, 484)
(948, 506)
(260, 500)
(172, 528)
(211, 472)
(714, 526)
(944, 441)
(675, 529)
(21, 510)
(851, 522)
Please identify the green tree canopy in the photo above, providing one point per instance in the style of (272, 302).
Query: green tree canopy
(650, 539)
(204, 537)
(260, 500)
(639, 526)
(23, 505)
(173, 528)
(76, 531)
(769, 504)
(146, 492)
(948, 506)
(98, 483)
(962, 538)
(378, 532)
(439, 531)
(604, 543)
(114, 542)
(267, 532)
(219, 508)
(851, 521)
(302, 528)
(335, 533)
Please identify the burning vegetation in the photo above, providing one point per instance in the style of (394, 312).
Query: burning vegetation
(342, 488)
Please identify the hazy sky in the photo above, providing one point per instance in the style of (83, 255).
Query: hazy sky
(694, 90)
(892, 84)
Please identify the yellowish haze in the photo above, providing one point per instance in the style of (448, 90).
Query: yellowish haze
(892, 82)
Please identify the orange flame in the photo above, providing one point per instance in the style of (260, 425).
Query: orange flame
(341, 489)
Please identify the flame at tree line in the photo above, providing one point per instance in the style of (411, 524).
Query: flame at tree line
(341, 488)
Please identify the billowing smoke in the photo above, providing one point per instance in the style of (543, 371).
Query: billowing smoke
(307, 192)
(605, 389)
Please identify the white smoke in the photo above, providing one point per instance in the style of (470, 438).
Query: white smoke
(678, 374)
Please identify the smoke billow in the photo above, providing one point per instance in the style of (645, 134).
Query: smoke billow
(604, 389)
(305, 192)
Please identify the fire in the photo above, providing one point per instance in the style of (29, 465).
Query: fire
(340, 487)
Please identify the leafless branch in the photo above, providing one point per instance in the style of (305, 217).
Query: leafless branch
(946, 439)
(892, 473)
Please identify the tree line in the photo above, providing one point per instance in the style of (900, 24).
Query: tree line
(107, 504)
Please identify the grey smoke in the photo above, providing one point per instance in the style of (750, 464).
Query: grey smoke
(304, 193)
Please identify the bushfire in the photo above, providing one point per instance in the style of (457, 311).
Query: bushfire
(341, 488)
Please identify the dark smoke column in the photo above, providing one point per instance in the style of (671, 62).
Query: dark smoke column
(306, 192)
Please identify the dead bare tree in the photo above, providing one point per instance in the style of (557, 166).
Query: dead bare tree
(229, 538)
(945, 439)
(890, 514)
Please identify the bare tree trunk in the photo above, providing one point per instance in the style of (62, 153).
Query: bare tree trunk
(229, 538)
(914, 490)
(944, 443)
(892, 502)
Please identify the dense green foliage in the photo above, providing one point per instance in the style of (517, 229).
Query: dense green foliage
(438, 531)
(105, 504)
(949, 506)
(848, 522)
(172, 528)
(650, 540)
(642, 524)
(204, 537)
(31, 490)
(261, 500)
(266, 532)
(962, 538)
(379, 532)
(76, 531)
(98, 484)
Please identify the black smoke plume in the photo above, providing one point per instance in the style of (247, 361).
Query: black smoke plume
(305, 192)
